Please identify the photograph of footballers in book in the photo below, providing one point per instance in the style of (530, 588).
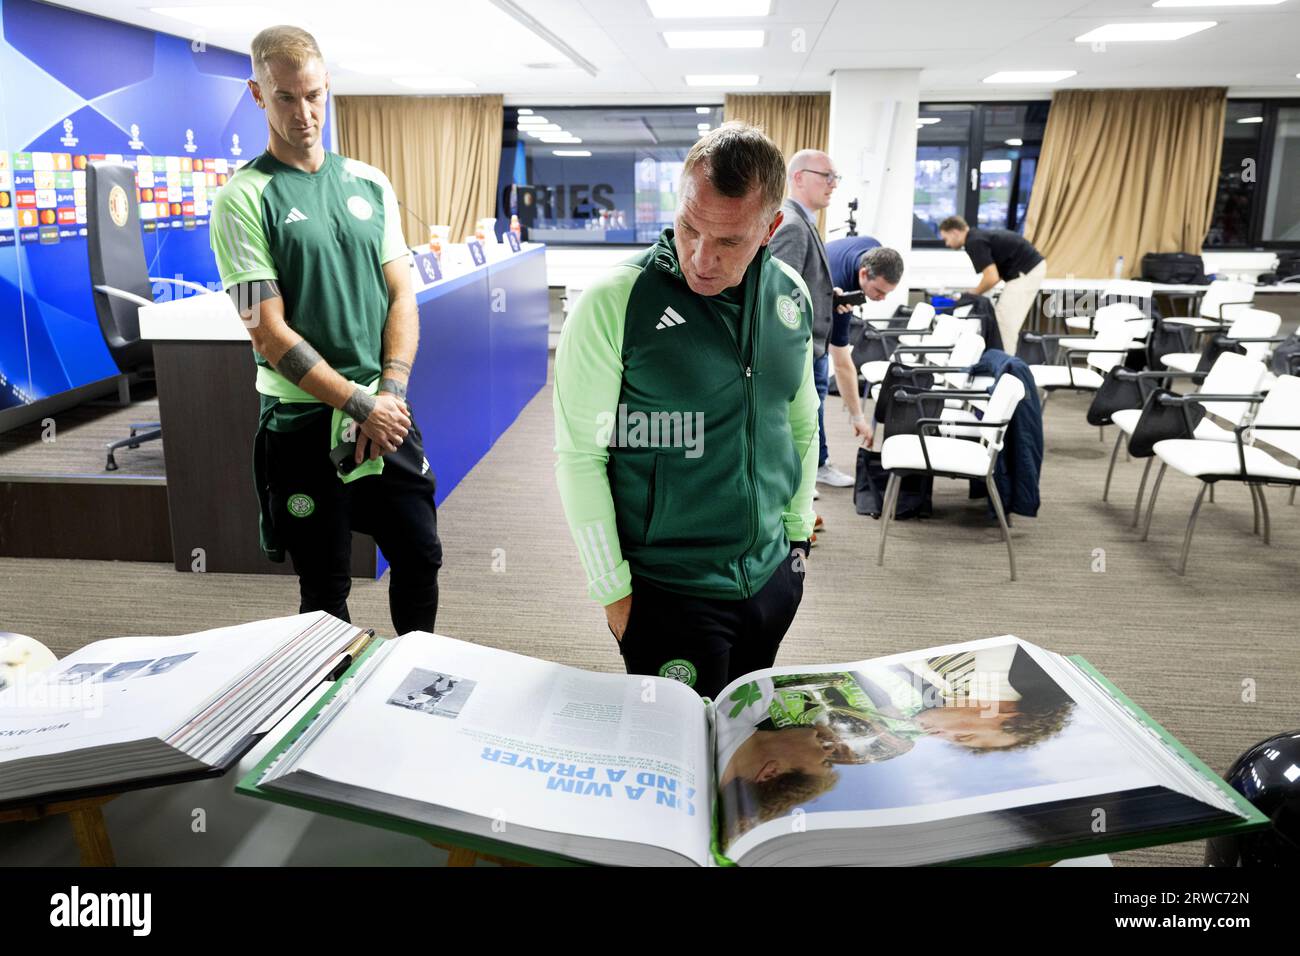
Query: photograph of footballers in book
(430, 692)
(917, 732)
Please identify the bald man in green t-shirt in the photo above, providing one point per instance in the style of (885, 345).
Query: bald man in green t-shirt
(310, 246)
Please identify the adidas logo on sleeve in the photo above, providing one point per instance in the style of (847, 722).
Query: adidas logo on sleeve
(669, 319)
(294, 216)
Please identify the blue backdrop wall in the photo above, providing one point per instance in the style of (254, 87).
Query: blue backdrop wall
(74, 88)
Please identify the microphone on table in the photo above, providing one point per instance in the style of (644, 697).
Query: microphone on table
(413, 213)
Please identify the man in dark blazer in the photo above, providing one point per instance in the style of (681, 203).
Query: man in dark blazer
(812, 178)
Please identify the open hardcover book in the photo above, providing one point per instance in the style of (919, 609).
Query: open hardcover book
(989, 750)
(137, 711)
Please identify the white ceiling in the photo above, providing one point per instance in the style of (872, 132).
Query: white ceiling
(955, 43)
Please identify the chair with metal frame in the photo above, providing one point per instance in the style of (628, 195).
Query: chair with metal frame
(1102, 353)
(938, 335)
(919, 454)
(1219, 295)
(1239, 460)
(1137, 322)
(1253, 329)
(1231, 374)
(920, 321)
(951, 379)
(964, 352)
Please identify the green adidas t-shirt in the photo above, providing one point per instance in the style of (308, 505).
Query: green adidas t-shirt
(324, 237)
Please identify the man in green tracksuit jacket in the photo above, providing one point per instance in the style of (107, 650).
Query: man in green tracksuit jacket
(686, 426)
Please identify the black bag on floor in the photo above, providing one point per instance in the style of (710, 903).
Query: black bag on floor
(869, 484)
(897, 418)
(1181, 268)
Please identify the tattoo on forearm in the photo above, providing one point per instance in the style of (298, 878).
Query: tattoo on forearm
(298, 361)
(394, 386)
(397, 365)
(359, 405)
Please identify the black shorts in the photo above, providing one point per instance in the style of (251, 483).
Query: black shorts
(314, 514)
(708, 642)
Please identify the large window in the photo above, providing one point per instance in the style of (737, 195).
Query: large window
(977, 161)
(1282, 205)
(1238, 170)
(596, 175)
(1257, 204)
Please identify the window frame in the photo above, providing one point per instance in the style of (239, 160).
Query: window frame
(1264, 167)
(510, 134)
(975, 147)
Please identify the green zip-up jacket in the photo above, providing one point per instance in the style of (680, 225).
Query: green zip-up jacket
(686, 431)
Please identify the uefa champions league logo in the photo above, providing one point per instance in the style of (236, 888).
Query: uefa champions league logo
(235, 148)
(189, 141)
(134, 142)
(68, 139)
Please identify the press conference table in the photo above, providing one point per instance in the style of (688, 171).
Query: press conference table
(482, 357)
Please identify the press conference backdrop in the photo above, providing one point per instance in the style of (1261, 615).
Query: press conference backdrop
(76, 88)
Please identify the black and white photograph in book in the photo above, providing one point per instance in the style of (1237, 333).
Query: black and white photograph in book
(432, 693)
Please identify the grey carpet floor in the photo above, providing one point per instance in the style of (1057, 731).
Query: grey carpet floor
(1214, 656)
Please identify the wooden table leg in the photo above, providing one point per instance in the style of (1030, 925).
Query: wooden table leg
(92, 836)
(461, 857)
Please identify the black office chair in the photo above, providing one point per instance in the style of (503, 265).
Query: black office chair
(121, 281)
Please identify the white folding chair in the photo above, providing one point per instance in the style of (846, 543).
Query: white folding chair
(921, 319)
(1133, 319)
(1219, 296)
(1100, 355)
(949, 366)
(938, 342)
(1239, 460)
(904, 455)
(1231, 374)
(1133, 293)
(1254, 329)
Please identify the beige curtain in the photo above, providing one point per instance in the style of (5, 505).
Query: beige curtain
(792, 122)
(1124, 173)
(441, 153)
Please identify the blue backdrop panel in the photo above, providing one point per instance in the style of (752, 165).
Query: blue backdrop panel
(451, 382)
(477, 367)
(520, 322)
(73, 87)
